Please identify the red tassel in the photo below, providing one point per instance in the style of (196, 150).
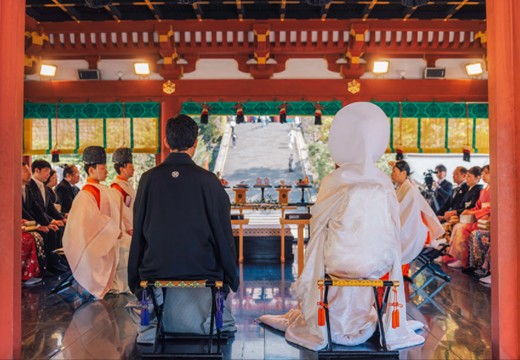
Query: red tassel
(322, 321)
(321, 316)
(396, 320)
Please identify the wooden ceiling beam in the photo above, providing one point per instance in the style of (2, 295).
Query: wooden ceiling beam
(240, 10)
(325, 11)
(69, 10)
(114, 12)
(283, 9)
(370, 6)
(456, 8)
(156, 13)
(257, 90)
(198, 10)
(275, 24)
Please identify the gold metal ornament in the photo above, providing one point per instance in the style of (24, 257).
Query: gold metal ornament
(353, 87)
(168, 87)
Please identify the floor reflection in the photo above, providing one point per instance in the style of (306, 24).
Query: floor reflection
(70, 326)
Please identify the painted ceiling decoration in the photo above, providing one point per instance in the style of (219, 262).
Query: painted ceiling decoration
(260, 48)
(106, 10)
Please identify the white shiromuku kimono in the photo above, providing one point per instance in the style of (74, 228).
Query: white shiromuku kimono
(417, 221)
(354, 234)
(90, 240)
(126, 203)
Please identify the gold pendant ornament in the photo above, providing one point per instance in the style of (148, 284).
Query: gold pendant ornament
(353, 87)
(168, 87)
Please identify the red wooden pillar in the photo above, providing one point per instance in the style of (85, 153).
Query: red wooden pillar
(170, 107)
(503, 30)
(12, 22)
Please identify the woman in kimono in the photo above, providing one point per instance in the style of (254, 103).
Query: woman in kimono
(461, 232)
(354, 235)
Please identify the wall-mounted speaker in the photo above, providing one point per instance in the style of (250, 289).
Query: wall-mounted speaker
(434, 73)
(89, 74)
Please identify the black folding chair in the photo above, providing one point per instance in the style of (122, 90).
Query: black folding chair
(161, 336)
(383, 351)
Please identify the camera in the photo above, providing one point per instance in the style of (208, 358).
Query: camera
(428, 179)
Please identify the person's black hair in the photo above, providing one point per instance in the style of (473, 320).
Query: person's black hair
(68, 170)
(88, 166)
(486, 167)
(475, 171)
(117, 167)
(462, 170)
(441, 167)
(40, 164)
(181, 132)
(403, 166)
(24, 163)
(46, 182)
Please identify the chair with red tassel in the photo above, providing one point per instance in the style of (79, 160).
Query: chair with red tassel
(324, 317)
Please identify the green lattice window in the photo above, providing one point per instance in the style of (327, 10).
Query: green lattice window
(437, 127)
(77, 126)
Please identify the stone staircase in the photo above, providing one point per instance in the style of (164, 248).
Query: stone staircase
(264, 152)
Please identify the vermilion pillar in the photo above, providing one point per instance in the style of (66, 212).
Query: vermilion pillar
(12, 19)
(503, 31)
(170, 107)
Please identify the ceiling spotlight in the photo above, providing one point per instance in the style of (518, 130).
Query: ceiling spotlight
(474, 69)
(142, 69)
(414, 3)
(48, 70)
(380, 67)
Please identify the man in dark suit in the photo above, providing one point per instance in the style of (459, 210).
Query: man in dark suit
(182, 226)
(471, 196)
(41, 170)
(32, 211)
(67, 189)
(443, 188)
(455, 201)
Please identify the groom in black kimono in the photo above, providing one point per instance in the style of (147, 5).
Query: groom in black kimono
(182, 227)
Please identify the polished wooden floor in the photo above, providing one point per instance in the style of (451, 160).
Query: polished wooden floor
(65, 326)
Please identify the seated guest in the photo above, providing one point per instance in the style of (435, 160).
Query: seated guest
(479, 254)
(67, 189)
(354, 235)
(419, 224)
(41, 171)
(93, 229)
(50, 183)
(31, 211)
(31, 273)
(471, 196)
(454, 201)
(461, 232)
(182, 230)
(442, 187)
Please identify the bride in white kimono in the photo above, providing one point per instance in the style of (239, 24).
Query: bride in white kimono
(354, 234)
